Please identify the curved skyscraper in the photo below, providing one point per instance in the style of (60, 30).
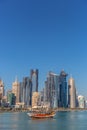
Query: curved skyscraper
(27, 91)
(71, 93)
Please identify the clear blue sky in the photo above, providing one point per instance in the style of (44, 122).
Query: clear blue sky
(43, 34)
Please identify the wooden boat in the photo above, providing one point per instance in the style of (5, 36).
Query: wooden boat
(42, 115)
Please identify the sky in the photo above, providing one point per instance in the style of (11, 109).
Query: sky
(49, 35)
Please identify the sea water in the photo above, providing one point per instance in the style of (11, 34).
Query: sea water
(75, 120)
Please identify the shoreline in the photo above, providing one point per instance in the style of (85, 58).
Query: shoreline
(27, 110)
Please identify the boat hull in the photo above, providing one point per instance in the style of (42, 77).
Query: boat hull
(40, 116)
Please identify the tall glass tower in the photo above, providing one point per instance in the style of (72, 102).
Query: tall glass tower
(62, 92)
(34, 79)
(27, 91)
(51, 86)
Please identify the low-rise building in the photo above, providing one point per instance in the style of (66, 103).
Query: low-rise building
(81, 101)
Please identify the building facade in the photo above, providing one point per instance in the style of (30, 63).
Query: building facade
(27, 91)
(16, 89)
(27, 87)
(11, 98)
(34, 79)
(56, 89)
(81, 101)
(71, 93)
(62, 90)
(35, 99)
(51, 89)
(1, 90)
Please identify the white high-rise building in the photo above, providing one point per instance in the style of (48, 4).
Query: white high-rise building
(1, 89)
(71, 93)
(35, 99)
(81, 101)
(15, 90)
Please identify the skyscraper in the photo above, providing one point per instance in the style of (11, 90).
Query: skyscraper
(11, 97)
(62, 90)
(71, 93)
(56, 89)
(27, 91)
(35, 99)
(1, 90)
(28, 86)
(34, 79)
(21, 92)
(51, 89)
(15, 89)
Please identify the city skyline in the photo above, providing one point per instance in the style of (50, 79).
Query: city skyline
(36, 79)
(48, 35)
(57, 92)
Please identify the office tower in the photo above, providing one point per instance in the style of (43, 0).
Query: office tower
(46, 92)
(15, 89)
(81, 101)
(62, 90)
(35, 99)
(41, 98)
(27, 91)
(11, 98)
(1, 90)
(34, 78)
(21, 92)
(71, 93)
(56, 89)
(51, 89)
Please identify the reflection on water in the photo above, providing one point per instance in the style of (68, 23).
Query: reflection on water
(62, 121)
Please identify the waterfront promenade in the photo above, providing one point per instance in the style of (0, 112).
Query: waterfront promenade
(2, 109)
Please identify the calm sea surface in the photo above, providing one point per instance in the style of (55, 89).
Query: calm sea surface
(62, 121)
